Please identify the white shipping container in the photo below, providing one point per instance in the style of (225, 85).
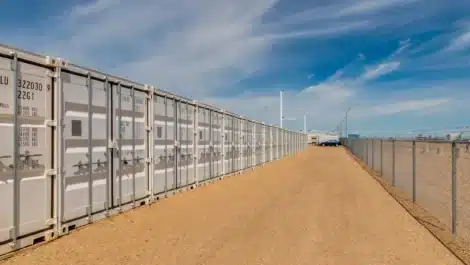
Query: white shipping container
(81, 145)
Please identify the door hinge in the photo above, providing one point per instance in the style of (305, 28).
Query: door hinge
(51, 123)
(112, 144)
(50, 221)
(52, 74)
(50, 173)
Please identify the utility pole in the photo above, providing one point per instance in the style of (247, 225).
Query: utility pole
(346, 122)
(280, 114)
(341, 129)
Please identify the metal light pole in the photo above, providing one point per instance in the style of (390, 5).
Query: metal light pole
(346, 122)
(341, 129)
(280, 109)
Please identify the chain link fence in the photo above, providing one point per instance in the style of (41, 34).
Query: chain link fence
(434, 174)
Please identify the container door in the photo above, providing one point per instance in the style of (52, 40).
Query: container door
(232, 144)
(259, 144)
(211, 148)
(271, 144)
(34, 149)
(267, 146)
(190, 137)
(140, 154)
(160, 165)
(170, 137)
(131, 182)
(252, 143)
(227, 145)
(181, 148)
(85, 155)
(217, 144)
(243, 144)
(237, 145)
(248, 144)
(202, 145)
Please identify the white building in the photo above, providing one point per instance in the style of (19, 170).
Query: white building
(316, 136)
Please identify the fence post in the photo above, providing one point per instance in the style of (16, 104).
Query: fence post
(454, 188)
(414, 171)
(367, 152)
(393, 162)
(381, 157)
(373, 152)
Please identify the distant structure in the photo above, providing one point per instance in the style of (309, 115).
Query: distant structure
(315, 137)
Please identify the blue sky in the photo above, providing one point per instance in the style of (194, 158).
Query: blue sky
(403, 64)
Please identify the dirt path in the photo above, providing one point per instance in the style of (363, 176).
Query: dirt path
(316, 208)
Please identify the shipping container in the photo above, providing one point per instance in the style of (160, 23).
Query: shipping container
(81, 145)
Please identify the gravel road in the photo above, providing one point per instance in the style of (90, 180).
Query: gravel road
(318, 207)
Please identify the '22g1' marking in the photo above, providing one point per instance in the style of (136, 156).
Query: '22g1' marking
(25, 95)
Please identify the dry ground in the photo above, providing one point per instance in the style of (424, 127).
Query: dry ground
(319, 207)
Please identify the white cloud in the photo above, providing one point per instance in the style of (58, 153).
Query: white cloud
(404, 44)
(365, 7)
(387, 66)
(193, 48)
(459, 43)
(380, 70)
(92, 8)
(343, 10)
(199, 48)
(406, 106)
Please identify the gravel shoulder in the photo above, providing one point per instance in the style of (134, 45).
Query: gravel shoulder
(318, 207)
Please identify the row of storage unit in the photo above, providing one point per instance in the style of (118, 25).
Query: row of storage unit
(80, 145)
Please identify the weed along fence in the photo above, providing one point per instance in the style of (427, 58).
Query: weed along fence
(79, 145)
(434, 174)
